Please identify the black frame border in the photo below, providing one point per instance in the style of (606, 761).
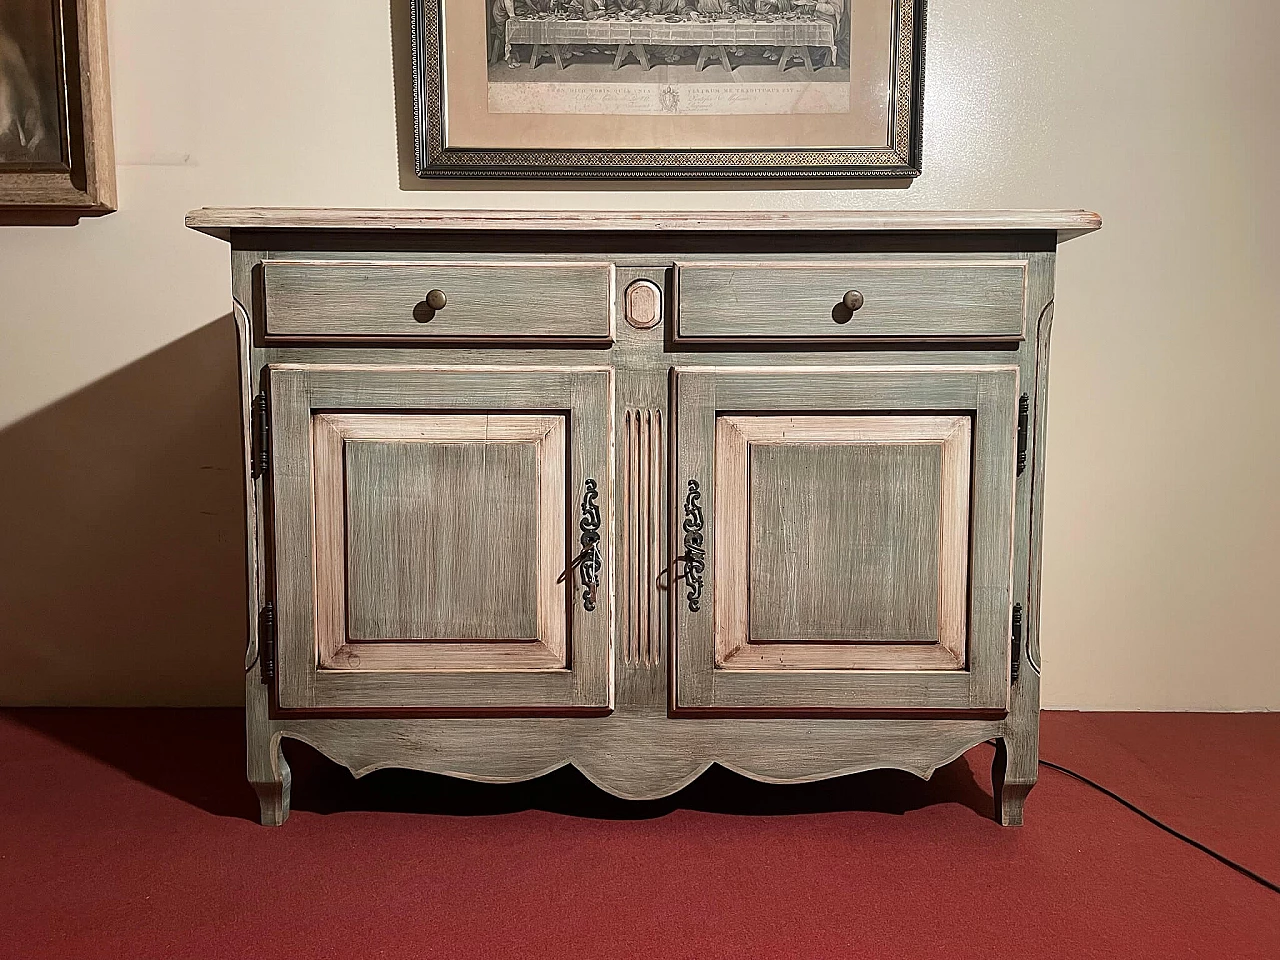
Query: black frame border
(434, 158)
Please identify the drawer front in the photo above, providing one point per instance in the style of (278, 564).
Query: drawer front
(789, 300)
(481, 300)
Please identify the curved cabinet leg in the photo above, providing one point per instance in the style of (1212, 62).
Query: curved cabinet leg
(1013, 798)
(264, 760)
(273, 795)
(1010, 780)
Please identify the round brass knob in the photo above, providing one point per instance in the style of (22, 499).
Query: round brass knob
(436, 300)
(853, 300)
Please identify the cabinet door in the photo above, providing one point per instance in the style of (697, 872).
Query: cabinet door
(436, 532)
(847, 537)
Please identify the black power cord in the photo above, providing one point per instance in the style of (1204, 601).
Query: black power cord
(1239, 868)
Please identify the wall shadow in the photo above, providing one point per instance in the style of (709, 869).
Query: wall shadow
(402, 74)
(194, 755)
(122, 538)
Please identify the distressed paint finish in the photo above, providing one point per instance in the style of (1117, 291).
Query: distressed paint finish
(642, 756)
(986, 393)
(635, 748)
(843, 543)
(473, 498)
(1016, 766)
(447, 528)
(484, 300)
(410, 505)
(642, 533)
(317, 411)
(839, 530)
(1062, 224)
(643, 304)
(772, 299)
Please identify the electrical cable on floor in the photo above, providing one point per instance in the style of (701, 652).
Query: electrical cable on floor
(1239, 868)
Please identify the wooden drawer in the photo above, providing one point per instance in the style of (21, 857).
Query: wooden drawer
(484, 300)
(790, 300)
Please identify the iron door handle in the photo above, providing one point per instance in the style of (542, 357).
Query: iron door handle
(695, 550)
(589, 561)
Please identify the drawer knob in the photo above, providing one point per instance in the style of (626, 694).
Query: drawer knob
(853, 300)
(436, 300)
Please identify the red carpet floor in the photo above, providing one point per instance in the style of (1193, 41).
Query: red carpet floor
(129, 834)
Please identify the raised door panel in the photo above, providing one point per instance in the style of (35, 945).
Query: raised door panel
(840, 541)
(858, 532)
(422, 538)
(474, 502)
(444, 538)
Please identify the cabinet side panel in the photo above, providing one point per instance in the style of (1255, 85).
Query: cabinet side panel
(1016, 766)
(265, 766)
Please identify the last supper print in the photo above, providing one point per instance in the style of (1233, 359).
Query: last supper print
(673, 57)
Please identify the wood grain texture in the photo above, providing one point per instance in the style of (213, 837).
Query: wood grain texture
(841, 542)
(485, 300)
(265, 766)
(642, 535)
(325, 410)
(442, 541)
(988, 396)
(95, 92)
(456, 535)
(1066, 224)
(1010, 795)
(638, 751)
(252, 508)
(89, 188)
(641, 756)
(443, 537)
(1016, 766)
(844, 536)
(774, 299)
(643, 304)
(458, 656)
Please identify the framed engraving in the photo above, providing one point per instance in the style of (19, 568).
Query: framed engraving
(56, 151)
(668, 88)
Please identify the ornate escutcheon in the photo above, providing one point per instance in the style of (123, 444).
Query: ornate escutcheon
(695, 554)
(643, 301)
(589, 559)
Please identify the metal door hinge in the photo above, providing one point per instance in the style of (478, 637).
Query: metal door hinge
(1015, 645)
(1024, 425)
(261, 436)
(267, 642)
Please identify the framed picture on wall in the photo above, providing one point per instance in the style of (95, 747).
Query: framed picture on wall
(668, 88)
(56, 150)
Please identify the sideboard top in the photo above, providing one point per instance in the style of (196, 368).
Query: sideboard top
(220, 221)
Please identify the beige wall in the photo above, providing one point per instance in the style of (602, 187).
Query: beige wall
(120, 569)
